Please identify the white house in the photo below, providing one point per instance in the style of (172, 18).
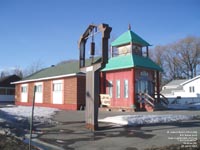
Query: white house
(183, 91)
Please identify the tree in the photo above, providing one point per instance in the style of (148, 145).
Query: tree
(33, 68)
(188, 50)
(179, 59)
(17, 71)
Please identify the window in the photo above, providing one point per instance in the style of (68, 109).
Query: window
(191, 89)
(125, 88)
(57, 87)
(11, 91)
(110, 88)
(2, 91)
(118, 88)
(24, 89)
(38, 88)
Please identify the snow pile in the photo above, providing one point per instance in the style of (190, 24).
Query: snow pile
(41, 114)
(134, 120)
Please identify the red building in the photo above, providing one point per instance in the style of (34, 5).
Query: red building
(130, 76)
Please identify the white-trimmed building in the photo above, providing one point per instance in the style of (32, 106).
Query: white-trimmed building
(184, 91)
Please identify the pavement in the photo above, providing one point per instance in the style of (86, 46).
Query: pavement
(70, 133)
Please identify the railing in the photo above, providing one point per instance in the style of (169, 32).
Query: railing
(146, 98)
(163, 99)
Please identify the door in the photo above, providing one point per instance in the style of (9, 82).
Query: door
(24, 93)
(58, 92)
(38, 93)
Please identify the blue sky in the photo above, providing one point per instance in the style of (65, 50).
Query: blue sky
(48, 30)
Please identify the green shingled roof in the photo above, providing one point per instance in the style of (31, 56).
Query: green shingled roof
(62, 69)
(128, 37)
(129, 61)
(59, 70)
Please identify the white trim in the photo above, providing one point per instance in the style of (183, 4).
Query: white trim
(190, 80)
(47, 78)
(39, 83)
(57, 81)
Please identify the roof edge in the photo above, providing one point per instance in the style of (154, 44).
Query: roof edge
(190, 80)
(48, 78)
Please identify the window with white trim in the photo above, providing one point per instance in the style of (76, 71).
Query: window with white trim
(191, 89)
(57, 85)
(38, 88)
(125, 88)
(110, 88)
(24, 89)
(118, 89)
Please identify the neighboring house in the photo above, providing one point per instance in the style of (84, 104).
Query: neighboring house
(7, 90)
(61, 86)
(183, 91)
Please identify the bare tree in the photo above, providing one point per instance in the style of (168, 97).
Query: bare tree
(17, 71)
(180, 59)
(188, 52)
(33, 68)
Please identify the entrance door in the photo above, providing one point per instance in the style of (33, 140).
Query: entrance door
(58, 92)
(24, 93)
(144, 86)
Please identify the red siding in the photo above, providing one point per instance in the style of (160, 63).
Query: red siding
(125, 74)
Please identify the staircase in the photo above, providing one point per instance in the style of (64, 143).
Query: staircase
(149, 103)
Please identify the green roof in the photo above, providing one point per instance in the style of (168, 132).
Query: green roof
(59, 70)
(129, 61)
(129, 37)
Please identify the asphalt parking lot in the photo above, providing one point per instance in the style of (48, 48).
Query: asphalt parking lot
(70, 132)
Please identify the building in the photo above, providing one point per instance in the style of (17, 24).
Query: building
(7, 90)
(130, 74)
(130, 78)
(183, 91)
(61, 86)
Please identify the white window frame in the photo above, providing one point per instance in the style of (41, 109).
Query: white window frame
(118, 88)
(126, 88)
(110, 88)
(57, 85)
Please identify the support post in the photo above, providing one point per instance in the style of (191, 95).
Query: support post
(32, 116)
(93, 74)
(158, 86)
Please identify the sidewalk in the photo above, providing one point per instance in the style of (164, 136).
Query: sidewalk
(70, 133)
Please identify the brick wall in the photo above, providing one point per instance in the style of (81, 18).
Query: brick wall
(81, 85)
(17, 92)
(47, 92)
(30, 92)
(73, 96)
(70, 90)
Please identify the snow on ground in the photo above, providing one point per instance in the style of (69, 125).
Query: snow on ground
(134, 120)
(41, 114)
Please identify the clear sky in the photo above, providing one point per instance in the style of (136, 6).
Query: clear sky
(48, 30)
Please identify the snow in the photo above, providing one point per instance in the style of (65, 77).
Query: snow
(41, 114)
(134, 120)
